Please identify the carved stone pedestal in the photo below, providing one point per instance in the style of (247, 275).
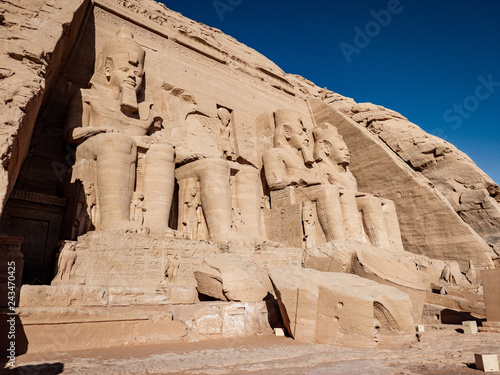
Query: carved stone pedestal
(135, 260)
(123, 290)
(141, 261)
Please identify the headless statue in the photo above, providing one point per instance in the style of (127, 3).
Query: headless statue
(199, 157)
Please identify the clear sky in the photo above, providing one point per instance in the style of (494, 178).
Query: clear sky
(437, 62)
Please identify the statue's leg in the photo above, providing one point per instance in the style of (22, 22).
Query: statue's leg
(329, 210)
(352, 217)
(84, 170)
(373, 219)
(215, 195)
(116, 156)
(392, 223)
(248, 199)
(158, 186)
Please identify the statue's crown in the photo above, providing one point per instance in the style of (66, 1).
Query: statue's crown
(325, 131)
(124, 44)
(287, 115)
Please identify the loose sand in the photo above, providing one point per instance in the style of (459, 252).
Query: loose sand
(442, 350)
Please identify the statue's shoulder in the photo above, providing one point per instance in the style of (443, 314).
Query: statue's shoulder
(272, 156)
(85, 95)
(276, 153)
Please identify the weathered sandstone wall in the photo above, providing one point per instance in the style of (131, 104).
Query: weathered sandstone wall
(36, 39)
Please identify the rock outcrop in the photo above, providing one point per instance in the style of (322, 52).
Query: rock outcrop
(472, 193)
(37, 38)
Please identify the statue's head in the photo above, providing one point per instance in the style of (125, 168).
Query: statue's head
(224, 115)
(123, 61)
(194, 191)
(328, 144)
(290, 130)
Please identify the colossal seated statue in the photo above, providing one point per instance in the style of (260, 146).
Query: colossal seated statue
(222, 185)
(106, 122)
(367, 218)
(290, 164)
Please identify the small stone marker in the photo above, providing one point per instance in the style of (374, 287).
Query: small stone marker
(487, 362)
(419, 328)
(279, 332)
(470, 327)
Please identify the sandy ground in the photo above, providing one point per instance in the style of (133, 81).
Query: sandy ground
(442, 350)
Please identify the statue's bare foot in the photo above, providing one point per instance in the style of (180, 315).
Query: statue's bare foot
(243, 239)
(128, 227)
(169, 232)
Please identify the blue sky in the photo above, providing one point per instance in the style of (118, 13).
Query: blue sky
(436, 62)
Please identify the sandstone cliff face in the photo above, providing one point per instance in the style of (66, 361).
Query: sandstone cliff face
(447, 207)
(429, 224)
(36, 37)
(472, 193)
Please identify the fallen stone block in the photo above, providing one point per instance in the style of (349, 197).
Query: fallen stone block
(402, 270)
(232, 280)
(469, 327)
(342, 309)
(486, 362)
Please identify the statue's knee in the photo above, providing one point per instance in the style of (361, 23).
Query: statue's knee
(213, 168)
(330, 192)
(116, 143)
(166, 151)
(248, 174)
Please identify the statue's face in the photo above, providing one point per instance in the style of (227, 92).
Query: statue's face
(339, 153)
(297, 136)
(123, 74)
